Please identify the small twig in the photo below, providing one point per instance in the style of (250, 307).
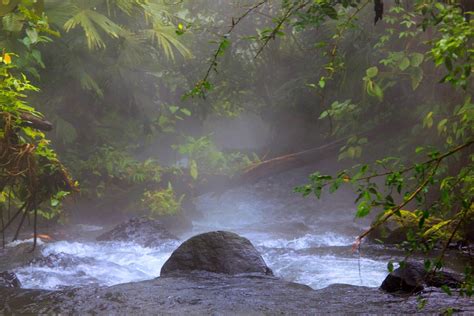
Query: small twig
(3, 230)
(9, 203)
(458, 225)
(407, 169)
(289, 13)
(218, 51)
(330, 67)
(14, 217)
(25, 212)
(35, 225)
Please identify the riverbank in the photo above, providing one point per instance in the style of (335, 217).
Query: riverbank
(206, 293)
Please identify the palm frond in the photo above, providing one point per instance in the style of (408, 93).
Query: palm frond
(164, 36)
(156, 10)
(92, 22)
(59, 11)
(126, 6)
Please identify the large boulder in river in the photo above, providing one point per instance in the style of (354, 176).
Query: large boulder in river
(143, 231)
(412, 277)
(9, 280)
(217, 252)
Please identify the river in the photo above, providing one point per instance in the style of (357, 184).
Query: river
(303, 240)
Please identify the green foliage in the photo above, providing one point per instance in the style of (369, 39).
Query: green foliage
(32, 179)
(113, 73)
(169, 117)
(438, 188)
(94, 86)
(204, 158)
(162, 202)
(109, 167)
(453, 48)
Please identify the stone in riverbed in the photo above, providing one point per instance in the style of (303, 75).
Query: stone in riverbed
(217, 252)
(220, 294)
(143, 231)
(9, 280)
(413, 277)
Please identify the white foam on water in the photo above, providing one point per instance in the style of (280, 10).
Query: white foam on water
(102, 263)
(24, 241)
(111, 263)
(308, 241)
(317, 258)
(313, 250)
(321, 271)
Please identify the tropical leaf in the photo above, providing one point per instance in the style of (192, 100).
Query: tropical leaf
(157, 11)
(126, 6)
(92, 22)
(164, 36)
(59, 11)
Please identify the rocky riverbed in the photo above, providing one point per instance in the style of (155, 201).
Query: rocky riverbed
(207, 293)
(222, 273)
(308, 266)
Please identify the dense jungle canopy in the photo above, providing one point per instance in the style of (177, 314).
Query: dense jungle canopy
(114, 104)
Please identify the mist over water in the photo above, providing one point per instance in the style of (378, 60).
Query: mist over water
(302, 240)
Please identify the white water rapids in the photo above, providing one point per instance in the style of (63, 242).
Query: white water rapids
(302, 240)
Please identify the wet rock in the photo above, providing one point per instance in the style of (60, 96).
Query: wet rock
(9, 280)
(217, 252)
(144, 231)
(409, 279)
(220, 294)
(412, 278)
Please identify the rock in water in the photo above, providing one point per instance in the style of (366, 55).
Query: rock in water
(217, 252)
(413, 277)
(143, 231)
(10, 280)
(409, 279)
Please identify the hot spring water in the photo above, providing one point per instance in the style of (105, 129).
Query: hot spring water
(302, 240)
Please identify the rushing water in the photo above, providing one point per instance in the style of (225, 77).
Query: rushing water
(104, 263)
(302, 240)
